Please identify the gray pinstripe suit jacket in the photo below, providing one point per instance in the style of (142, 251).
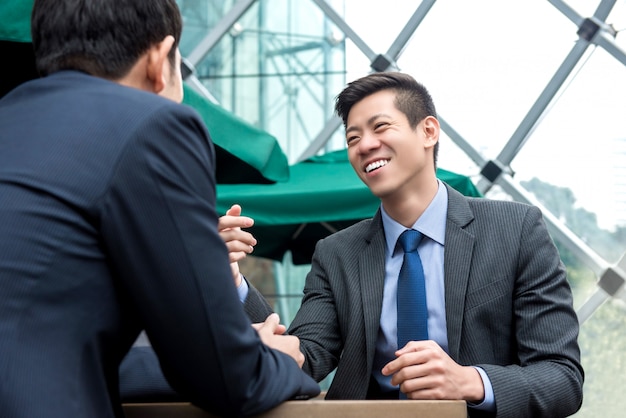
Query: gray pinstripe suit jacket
(508, 307)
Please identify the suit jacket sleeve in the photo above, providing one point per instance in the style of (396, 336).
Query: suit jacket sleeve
(547, 377)
(159, 227)
(317, 323)
(256, 306)
(141, 378)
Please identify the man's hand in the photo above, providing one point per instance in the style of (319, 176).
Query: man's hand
(424, 371)
(271, 334)
(239, 243)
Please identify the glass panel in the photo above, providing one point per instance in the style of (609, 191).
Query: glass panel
(579, 151)
(452, 158)
(485, 63)
(584, 8)
(198, 17)
(603, 349)
(279, 67)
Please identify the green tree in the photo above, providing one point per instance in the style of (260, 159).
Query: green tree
(561, 202)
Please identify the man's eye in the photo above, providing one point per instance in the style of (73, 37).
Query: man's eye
(351, 139)
(380, 125)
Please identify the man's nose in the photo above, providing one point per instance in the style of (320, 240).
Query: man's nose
(369, 141)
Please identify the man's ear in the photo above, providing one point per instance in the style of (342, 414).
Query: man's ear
(158, 65)
(431, 130)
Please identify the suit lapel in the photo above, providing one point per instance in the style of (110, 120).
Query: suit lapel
(459, 246)
(372, 278)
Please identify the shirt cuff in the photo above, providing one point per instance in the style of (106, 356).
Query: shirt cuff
(489, 402)
(242, 289)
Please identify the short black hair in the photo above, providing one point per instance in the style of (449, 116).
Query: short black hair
(104, 38)
(412, 98)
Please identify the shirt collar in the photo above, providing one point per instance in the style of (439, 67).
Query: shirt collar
(431, 224)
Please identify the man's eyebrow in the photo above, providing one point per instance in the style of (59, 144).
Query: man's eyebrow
(369, 121)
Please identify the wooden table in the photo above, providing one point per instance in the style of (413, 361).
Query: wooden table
(315, 408)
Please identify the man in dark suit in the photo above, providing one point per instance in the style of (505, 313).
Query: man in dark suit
(501, 326)
(108, 226)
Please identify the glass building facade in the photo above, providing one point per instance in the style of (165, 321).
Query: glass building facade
(278, 66)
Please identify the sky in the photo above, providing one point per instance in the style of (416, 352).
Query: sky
(486, 62)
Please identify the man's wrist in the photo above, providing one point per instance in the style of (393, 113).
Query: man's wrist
(488, 402)
(242, 289)
(474, 391)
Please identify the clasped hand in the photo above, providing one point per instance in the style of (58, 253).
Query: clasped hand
(425, 371)
(271, 332)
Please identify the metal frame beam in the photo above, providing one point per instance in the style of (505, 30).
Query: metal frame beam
(598, 36)
(220, 29)
(345, 28)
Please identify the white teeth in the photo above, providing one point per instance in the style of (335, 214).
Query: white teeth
(376, 164)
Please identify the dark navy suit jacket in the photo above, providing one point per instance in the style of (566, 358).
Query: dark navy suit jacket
(108, 226)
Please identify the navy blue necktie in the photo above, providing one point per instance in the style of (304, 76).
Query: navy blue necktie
(411, 297)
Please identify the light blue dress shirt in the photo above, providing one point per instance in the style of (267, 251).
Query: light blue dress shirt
(432, 225)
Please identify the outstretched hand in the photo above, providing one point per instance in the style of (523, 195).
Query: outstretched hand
(239, 242)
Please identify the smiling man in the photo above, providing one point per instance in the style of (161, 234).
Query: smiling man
(498, 327)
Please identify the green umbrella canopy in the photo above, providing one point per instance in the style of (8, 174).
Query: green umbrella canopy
(322, 195)
(15, 20)
(244, 154)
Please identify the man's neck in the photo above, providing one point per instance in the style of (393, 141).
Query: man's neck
(406, 208)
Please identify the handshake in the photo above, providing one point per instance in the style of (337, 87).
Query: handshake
(241, 243)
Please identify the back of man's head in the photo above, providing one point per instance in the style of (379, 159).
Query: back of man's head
(104, 38)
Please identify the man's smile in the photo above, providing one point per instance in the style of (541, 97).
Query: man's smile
(375, 165)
